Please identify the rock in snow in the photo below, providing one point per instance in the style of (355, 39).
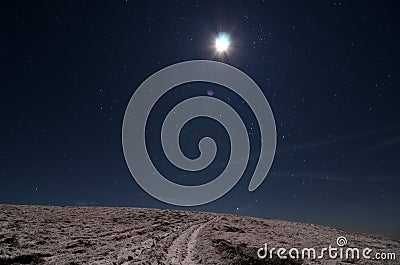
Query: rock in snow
(120, 235)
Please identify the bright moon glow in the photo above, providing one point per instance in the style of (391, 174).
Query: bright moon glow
(222, 42)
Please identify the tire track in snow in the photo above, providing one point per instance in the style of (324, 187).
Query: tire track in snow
(183, 248)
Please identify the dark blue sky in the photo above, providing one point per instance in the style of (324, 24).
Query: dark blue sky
(329, 69)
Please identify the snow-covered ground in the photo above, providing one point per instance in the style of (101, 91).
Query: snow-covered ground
(102, 235)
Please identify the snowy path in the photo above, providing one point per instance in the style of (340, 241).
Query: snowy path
(183, 248)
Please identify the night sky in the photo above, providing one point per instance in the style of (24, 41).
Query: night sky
(329, 69)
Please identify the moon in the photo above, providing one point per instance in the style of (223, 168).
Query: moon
(222, 42)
